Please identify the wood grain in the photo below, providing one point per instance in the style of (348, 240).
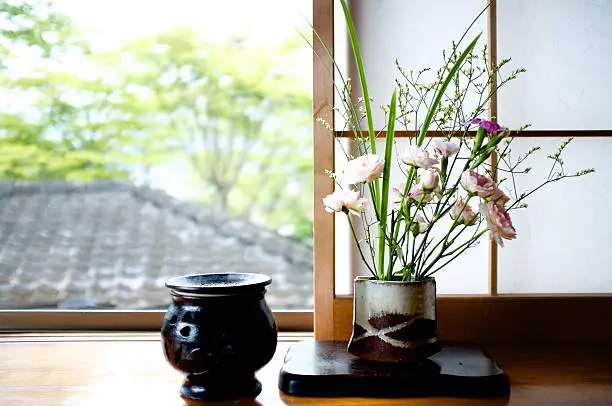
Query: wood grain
(510, 318)
(492, 61)
(323, 142)
(522, 134)
(71, 371)
(115, 320)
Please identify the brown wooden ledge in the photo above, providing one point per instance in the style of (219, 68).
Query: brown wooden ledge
(129, 369)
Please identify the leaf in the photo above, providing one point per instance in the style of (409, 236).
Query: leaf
(385, 188)
(434, 106)
(362, 76)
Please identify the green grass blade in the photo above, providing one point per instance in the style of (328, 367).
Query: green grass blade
(434, 106)
(349, 106)
(361, 70)
(384, 202)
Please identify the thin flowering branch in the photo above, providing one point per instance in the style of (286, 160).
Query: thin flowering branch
(442, 254)
(469, 243)
(513, 169)
(456, 222)
(464, 247)
(409, 226)
(525, 195)
(349, 106)
(366, 227)
(372, 271)
(441, 179)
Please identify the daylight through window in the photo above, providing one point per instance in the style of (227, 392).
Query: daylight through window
(142, 140)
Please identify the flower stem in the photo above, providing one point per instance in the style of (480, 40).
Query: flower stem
(356, 240)
(384, 198)
(465, 247)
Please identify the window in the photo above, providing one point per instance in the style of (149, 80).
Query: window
(556, 269)
(143, 140)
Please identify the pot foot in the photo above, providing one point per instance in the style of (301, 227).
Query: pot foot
(215, 388)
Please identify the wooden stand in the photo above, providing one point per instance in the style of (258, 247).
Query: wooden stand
(326, 369)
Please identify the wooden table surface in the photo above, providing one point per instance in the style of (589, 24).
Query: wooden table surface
(129, 369)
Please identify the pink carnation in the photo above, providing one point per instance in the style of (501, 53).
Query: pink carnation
(414, 193)
(344, 200)
(499, 197)
(498, 222)
(365, 168)
(465, 214)
(483, 186)
(417, 157)
(398, 192)
(446, 148)
(419, 225)
(429, 179)
(490, 126)
(419, 195)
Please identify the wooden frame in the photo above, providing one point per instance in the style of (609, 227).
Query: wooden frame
(524, 133)
(323, 144)
(133, 320)
(492, 58)
(492, 317)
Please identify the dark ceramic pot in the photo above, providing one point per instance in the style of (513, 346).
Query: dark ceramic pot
(219, 330)
(394, 321)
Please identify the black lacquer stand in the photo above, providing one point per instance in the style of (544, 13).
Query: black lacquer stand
(326, 369)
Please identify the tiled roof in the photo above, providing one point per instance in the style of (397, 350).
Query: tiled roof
(112, 244)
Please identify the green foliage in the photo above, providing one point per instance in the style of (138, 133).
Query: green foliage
(35, 25)
(234, 111)
(47, 124)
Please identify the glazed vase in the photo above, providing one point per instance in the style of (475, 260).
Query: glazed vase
(394, 321)
(219, 331)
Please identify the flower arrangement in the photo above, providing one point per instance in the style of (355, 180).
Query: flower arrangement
(449, 196)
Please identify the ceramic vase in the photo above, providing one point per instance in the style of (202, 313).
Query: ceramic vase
(394, 321)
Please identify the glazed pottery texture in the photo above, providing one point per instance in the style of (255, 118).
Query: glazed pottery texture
(394, 321)
(219, 330)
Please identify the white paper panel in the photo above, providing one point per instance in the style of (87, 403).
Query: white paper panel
(345, 254)
(468, 274)
(413, 31)
(566, 47)
(563, 242)
(341, 58)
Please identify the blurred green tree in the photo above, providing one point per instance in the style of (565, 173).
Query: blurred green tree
(239, 113)
(52, 122)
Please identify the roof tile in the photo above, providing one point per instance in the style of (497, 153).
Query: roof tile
(112, 244)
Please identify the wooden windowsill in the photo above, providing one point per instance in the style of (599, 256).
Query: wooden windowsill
(129, 369)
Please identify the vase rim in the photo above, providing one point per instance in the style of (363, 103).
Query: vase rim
(226, 283)
(371, 279)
